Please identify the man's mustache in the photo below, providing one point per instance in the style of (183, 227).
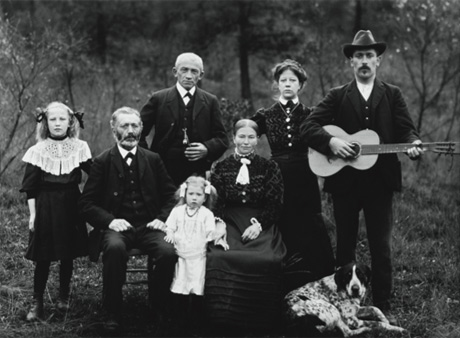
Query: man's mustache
(131, 136)
(364, 67)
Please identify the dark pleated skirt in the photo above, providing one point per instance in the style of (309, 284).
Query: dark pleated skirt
(243, 285)
(60, 233)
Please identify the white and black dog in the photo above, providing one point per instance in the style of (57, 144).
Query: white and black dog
(334, 302)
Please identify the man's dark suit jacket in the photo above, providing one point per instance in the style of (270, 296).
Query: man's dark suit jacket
(389, 118)
(104, 189)
(161, 111)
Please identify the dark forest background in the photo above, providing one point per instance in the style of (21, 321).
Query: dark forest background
(99, 55)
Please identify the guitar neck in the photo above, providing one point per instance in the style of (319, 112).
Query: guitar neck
(371, 149)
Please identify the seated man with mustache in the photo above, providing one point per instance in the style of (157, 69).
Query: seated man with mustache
(127, 197)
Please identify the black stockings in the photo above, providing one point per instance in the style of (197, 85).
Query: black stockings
(41, 273)
(65, 274)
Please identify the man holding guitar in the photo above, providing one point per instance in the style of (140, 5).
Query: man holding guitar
(366, 103)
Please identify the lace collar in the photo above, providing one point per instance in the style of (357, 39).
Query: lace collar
(239, 156)
(58, 157)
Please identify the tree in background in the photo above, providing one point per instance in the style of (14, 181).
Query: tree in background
(427, 34)
(30, 67)
(104, 54)
(320, 48)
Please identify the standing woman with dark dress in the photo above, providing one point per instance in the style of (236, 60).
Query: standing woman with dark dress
(243, 286)
(301, 222)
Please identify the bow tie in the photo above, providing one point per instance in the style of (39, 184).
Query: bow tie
(129, 158)
(289, 105)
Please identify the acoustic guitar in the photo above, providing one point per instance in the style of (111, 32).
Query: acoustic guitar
(366, 144)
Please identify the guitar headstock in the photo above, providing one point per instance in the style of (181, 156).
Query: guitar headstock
(446, 148)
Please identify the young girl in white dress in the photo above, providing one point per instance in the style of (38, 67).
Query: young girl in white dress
(190, 226)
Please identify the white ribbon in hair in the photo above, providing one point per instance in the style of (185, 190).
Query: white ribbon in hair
(183, 187)
(243, 174)
(207, 189)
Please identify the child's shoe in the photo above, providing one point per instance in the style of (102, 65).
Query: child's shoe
(62, 304)
(36, 311)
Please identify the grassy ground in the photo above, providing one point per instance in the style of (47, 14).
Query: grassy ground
(426, 254)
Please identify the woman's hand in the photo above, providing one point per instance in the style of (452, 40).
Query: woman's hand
(32, 222)
(252, 232)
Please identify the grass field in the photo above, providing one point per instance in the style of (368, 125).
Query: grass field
(426, 256)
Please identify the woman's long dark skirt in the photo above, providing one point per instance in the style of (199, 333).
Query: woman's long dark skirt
(243, 286)
(301, 222)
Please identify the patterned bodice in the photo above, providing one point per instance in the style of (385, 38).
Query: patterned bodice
(282, 129)
(264, 191)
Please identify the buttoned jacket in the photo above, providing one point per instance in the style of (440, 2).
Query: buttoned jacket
(388, 116)
(104, 190)
(162, 112)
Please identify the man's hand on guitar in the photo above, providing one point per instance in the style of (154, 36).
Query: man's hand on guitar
(366, 146)
(341, 148)
(414, 153)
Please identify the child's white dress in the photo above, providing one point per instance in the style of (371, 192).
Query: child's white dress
(191, 235)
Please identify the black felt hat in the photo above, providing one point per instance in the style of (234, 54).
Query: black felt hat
(363, 40)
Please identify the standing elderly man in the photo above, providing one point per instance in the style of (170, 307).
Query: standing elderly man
(128, 196)
(364, 103)
(189, 133)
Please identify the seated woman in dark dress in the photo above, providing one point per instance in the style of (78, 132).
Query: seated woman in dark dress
(301, 222)
(243, 287)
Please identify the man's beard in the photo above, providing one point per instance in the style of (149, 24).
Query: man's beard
(128, 141)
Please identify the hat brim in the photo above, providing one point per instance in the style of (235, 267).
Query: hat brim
(348, 49)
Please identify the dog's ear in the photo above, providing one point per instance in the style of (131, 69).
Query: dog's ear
(339, 278)
(365, 270)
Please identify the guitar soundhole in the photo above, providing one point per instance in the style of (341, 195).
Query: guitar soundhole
(356, 148)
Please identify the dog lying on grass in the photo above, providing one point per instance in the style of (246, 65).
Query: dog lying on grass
(334, 302)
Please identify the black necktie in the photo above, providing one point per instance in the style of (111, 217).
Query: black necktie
(129, 158)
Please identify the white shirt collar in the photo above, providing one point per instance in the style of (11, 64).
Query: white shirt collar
(183, 91)
(124, 152)
(365, 89)
(283, 101)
